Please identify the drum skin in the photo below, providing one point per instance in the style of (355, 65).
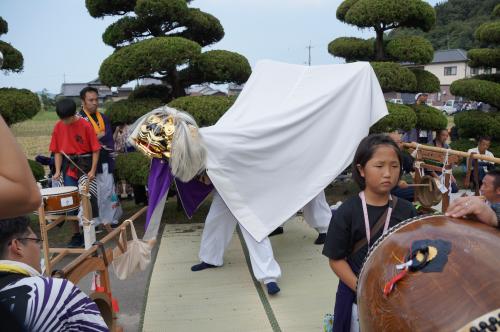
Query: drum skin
(467, 288)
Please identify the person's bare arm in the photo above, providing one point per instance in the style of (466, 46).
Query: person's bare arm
(95, 159)
(19, 193)
(58, 164)
(344, 272)
(473, 206)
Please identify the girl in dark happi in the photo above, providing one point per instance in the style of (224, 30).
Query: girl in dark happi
(362, 219)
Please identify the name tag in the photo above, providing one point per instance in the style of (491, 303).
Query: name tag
(66, 201)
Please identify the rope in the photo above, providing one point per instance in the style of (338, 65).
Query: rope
(418, 165)
(445, 171)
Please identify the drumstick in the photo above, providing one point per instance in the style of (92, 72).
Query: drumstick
(71, 161)
(419, 184)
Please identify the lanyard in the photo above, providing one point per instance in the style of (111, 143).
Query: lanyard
(367, 221)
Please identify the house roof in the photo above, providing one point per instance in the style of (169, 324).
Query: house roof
(203, 90)
(73, 89)
(454, 55)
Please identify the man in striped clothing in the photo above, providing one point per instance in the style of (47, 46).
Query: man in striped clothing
(31, 302)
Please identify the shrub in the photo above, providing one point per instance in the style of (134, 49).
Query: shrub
(472, 124)
(145, 57)
(128, 110)
(133, 167)
(152, 91)
(400, 117)
(18, 105)
(205, 109)
(410, 49)
(463, 144)
(429, 118)
(393, 77)
(36, 169)
(484, 57)
(479, 90)
(352, 48)
(426, 81)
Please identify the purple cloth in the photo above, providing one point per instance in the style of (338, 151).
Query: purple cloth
(342, 313)
(190, 193)
(108, 141)
(159, 181)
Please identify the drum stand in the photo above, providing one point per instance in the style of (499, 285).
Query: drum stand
(440, 157)
(48, 222)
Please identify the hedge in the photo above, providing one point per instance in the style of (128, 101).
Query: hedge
(152, 91)
(426, 81)
(373, 13)
(478, 90)
(472, 124)
(146, 57)
(205, 109)
(13, 60)
(351, 49)
(465, 144)
(484, 57)
(128, 110)
(18, 105)
(400, 117)
(410, 49)
(393, 77)
(133, 167)
(219, 67)
(36, 169)
(429, 118)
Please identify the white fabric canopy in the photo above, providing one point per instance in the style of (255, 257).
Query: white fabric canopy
(292, 130)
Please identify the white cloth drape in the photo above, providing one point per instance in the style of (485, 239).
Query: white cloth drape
(291, 131)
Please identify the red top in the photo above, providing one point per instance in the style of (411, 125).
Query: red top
(76, 138)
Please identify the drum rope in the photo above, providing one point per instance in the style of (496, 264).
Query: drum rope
(445, 171)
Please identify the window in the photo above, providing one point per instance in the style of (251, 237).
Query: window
(487, 71)
(450, 71)
(474, 71)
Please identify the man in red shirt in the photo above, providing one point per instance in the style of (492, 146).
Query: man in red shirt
(76, 138)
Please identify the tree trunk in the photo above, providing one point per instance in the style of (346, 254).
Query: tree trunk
(177, 87)
(379, 46)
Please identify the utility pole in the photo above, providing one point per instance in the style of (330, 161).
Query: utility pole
(309, 50)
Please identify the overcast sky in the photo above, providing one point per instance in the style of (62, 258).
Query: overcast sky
(61, 41)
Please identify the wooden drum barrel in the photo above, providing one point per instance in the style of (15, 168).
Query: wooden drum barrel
(464, 285)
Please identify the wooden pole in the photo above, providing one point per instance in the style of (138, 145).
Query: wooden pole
(105, 239)
(413, 145)
(45, 239)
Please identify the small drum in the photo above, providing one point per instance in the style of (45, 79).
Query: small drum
(459, 284)
(60, 199)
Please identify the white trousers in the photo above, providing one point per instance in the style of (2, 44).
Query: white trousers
(110, 209)
(217, 234)
(317, 213)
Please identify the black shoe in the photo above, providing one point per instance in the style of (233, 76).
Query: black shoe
(277, 231)
(76, 241)
(202, 266)
(272, 288)
(321, 238)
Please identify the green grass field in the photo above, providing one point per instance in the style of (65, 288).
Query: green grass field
(34, 135)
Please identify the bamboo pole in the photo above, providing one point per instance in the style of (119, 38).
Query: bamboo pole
(90, 251)
(413, 145)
